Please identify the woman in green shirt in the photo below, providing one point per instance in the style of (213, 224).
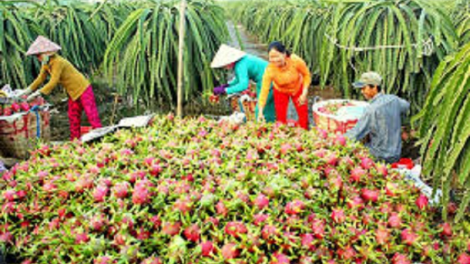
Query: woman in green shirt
(246, 67)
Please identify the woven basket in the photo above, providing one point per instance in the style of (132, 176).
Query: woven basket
(18, 138)
(249, 107)
(333, 123)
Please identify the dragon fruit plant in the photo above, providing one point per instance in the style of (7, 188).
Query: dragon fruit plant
(198, 191)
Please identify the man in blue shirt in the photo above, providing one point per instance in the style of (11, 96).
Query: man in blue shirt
(381, 120)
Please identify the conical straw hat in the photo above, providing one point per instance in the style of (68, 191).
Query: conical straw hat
(42, 45)
(226, 55)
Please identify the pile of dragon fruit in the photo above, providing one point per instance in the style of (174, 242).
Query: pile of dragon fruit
(198, 191)
(18, 107)
(333, 108)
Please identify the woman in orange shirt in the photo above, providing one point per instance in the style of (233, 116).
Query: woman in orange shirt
(290, 78)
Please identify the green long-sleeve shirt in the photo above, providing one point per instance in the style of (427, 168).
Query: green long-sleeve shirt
(252, 68)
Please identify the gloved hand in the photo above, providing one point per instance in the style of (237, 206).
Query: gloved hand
(33, 95)
(25, 92)
(220, 89)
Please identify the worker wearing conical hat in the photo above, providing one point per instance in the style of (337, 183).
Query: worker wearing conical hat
(61, 71)
(246, 67)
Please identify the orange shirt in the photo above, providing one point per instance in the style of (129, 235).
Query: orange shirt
(287, 79)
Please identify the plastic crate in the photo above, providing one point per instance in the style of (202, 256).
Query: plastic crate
(332, 123)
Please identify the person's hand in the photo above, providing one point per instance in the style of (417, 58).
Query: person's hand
(303, 97)
(33, 95)
(261, 117)
(26, 91)
(220, 89)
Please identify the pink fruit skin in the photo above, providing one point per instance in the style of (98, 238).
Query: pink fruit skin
(171, 229)
(279, 258)
(338, 216)
(400, 259)
(207, 248)
(422, 202)
(408, 236)
(261, 201)
(152, 260)
(370, 195)
(230, 251)
(192, 233)
(463, 259)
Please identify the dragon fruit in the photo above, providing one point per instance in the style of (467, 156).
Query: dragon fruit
(230, 251)
(15, 108)
(400, 259)
(279, 258)
(24, 106)
(261, 202)
(294, 207)
(338, 216)
(192, 233)
(408, 237)
(207, 248)
(100, 193)
(357, 174)
(151, 260)
(370, 195)
(422, 202)
(235, 229)
(367, 163)
(463, 259)
(199, 199)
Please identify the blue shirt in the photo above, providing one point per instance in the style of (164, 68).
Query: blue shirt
(382, 121)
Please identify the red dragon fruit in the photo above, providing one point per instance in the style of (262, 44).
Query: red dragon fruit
(221, 209)
(332, 159)
(369, 195)
(121, 190)
(15, 107)
(261, 201)
(318, 228)
(100, 193)
(307, 241)
(338, 216)
(400, 259)
(382, 235)
(235, 229)
(294, 207)
(171, 229)
(394, 221)
(446, 230)
(382, 170)
(81, 238)
(152, 260)
(408, 237)
(367, 163)
(24, 106)
(258, 219)
(207, 248)
(7, 111)
(230, 251)
(103, 260)
(279, 258)
(141, 195)
(192, 233)
(10, 195)
(268, 233)
(357, 174)
(422, 201)
(348, 253)
(340, 139)
(463, 259)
